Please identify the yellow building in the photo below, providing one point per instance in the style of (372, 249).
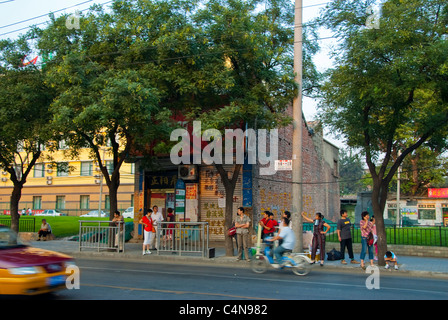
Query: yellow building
(72, 186)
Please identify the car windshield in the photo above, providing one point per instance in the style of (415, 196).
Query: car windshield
(9, 239)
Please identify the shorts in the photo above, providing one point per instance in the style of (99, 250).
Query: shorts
(147, 237)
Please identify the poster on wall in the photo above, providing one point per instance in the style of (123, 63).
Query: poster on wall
(191, 201)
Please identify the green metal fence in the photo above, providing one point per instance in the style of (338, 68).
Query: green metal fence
(26, 224)
(421, 235)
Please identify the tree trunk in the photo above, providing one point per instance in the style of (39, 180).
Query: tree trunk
(14, 205)
(229, 186)
(379, 196)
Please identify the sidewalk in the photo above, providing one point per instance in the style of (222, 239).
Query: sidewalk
(409, 265)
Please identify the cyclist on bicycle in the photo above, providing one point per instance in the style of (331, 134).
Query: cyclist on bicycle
(288, 241)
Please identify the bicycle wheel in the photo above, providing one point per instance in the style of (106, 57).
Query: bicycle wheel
(259, 264)
(302, 267)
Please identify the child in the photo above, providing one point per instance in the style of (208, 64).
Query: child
(391, 260)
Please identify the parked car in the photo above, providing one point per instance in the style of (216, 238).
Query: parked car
(51, 213)
(93, 214)
(129, 213)
(25, 270)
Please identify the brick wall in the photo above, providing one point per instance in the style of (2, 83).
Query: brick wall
(320, 187)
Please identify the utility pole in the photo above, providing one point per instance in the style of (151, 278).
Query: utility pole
(297, 131)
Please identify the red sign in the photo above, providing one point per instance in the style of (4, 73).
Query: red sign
(438, 192)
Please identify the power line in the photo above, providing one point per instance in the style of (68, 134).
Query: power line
(82, 3)
(44, 15)
(41, 16)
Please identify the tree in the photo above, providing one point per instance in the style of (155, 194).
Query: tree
(386, 80)
(110, 87)
(254, 40)
(351, 172)
(24, 115)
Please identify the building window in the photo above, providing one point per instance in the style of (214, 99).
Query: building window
(427, 211)
(39, 170)
(110, 166)
(37, 202)
(107, 202)
(62, 169)
(60, 202)
(86, 168)
(84, 202)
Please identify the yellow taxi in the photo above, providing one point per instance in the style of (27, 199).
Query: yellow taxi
(25, 270)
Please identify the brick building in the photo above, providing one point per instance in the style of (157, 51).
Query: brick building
(320, 189)
(205, 192)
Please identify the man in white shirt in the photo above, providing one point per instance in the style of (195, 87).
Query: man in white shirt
(156, 218)
(288, 240)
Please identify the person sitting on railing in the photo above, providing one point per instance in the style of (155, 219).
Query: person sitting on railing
(45, 230)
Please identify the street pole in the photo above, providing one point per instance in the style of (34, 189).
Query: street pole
(297, 132)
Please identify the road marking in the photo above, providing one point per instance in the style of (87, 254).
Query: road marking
(289, 280)
(175, 291)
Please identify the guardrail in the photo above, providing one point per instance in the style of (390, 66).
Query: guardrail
(102, 235)
(183, 238)
(26, 224)
(421, 235)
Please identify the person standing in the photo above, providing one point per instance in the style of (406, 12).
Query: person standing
(170, 218)
(366, 227)
(344, 227)
(147, 221)
(318, 236)
(157, 218)
(119, 222)
(268, 224)
(242, 222)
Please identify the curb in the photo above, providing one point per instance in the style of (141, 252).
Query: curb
(231, 262)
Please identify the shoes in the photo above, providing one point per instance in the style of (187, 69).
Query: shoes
(146, 252)
(354, 262)
(343, 262)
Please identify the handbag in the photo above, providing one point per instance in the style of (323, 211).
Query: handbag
(370, 239)
(232, 231)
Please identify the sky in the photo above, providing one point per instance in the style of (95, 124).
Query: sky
(16, 16)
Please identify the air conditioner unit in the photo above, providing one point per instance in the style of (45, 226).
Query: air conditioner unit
(4, 179)
(97, 181)
(49, 182)
(4, 173)
(49, 170)
(188, 172)
(49, 177)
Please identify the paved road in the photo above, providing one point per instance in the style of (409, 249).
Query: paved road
(111, 280)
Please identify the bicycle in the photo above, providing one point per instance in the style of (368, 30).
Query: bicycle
(299, 263)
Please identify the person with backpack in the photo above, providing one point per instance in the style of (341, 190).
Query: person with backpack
(343, 229)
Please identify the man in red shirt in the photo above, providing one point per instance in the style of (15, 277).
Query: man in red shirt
(268, 223)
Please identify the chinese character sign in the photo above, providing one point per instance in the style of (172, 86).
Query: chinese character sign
(437, 192)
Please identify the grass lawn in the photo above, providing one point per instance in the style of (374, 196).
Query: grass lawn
(64, 226)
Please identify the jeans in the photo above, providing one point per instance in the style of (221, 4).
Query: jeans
(278, 253)
(363, 249)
